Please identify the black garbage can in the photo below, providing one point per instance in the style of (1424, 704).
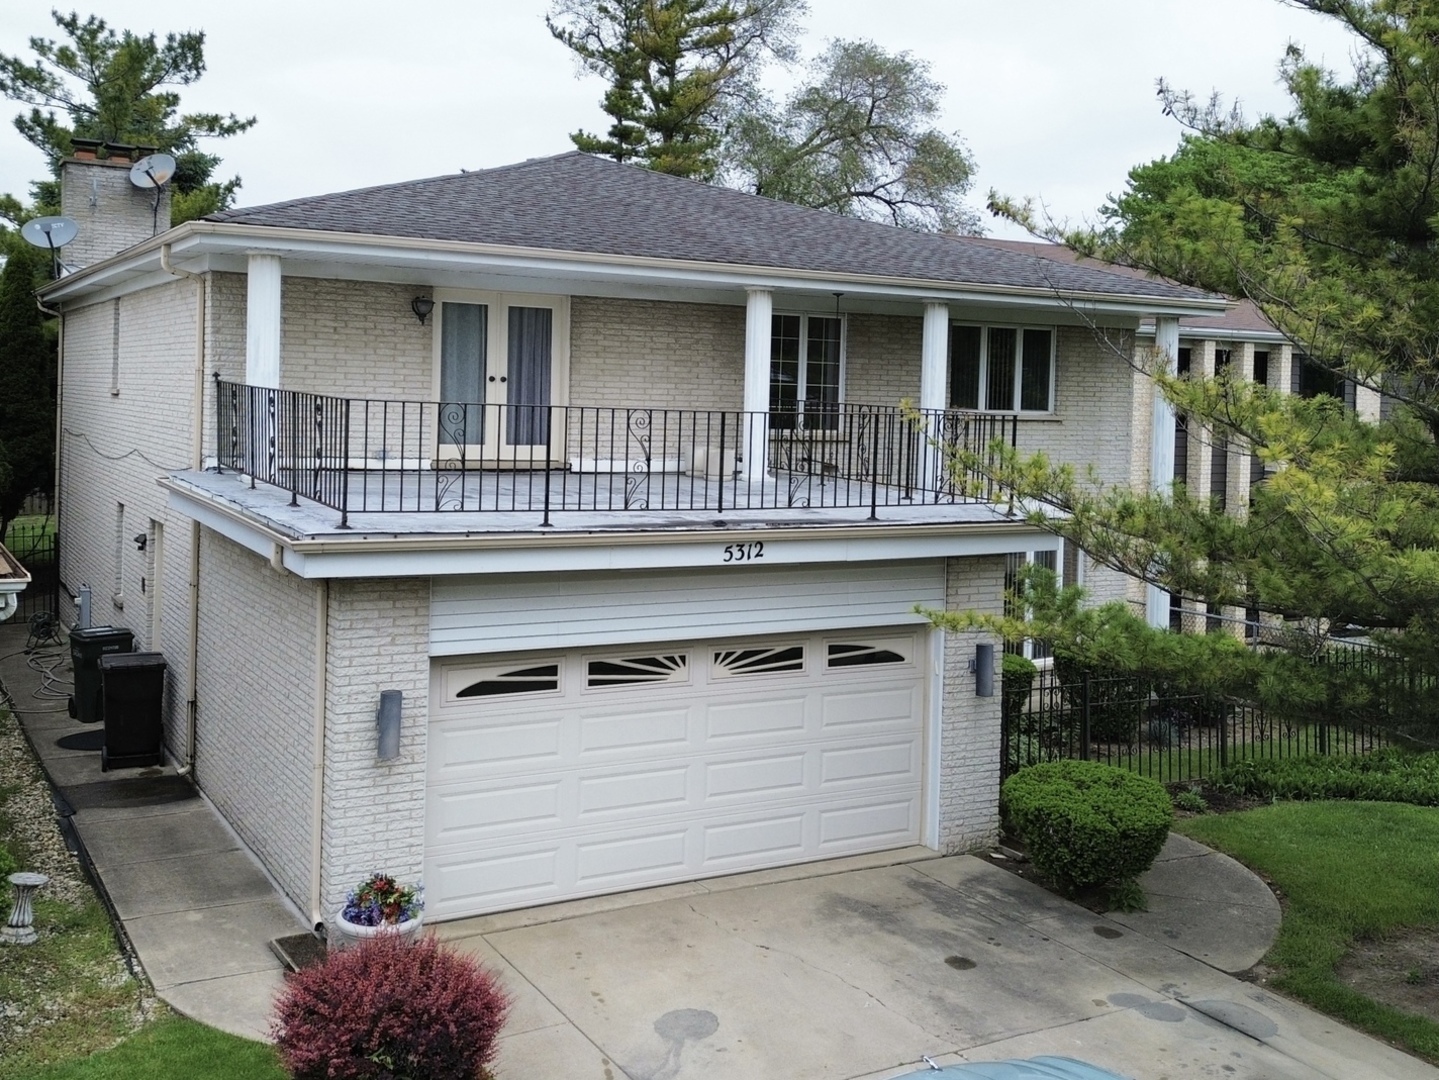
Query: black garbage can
(86, 648)
(133, 689)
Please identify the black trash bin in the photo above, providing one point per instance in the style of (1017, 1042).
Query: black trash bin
(133, 689)
(86, 648)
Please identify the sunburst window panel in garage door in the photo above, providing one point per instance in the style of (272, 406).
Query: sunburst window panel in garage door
(594, 789)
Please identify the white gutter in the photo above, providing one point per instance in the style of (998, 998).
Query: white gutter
(11, 585)
(210, 237)
(197, 461)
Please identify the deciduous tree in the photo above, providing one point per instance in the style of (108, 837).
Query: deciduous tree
(858, 138)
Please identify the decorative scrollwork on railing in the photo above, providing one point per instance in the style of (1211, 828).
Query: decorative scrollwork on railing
(445, 483)
(864, 432)
(637, 488)
(798, 482)
(454, 422)
(640, 424)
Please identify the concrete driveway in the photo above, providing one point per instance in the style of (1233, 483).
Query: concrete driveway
(860, 973)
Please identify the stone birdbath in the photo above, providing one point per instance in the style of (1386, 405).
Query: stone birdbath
(19, 931)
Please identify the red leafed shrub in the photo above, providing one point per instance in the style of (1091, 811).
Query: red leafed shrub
(390, 1010)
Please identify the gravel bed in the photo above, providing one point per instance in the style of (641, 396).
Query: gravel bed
(36, 825)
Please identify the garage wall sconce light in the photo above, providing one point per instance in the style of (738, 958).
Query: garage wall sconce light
(422, 306)
(387, 721)
(142, 541)
(982, 667)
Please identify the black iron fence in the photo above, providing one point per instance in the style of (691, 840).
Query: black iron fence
(366, 456)
(37, 548)
(1132, 722)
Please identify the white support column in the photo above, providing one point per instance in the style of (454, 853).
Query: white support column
(934, 357)
(262, 321)
(758, 331)
(1161, 446)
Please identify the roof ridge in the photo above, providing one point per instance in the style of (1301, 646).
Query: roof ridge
(227, 215)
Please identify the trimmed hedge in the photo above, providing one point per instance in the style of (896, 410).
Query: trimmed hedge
(1390, 775)
(1087, 825)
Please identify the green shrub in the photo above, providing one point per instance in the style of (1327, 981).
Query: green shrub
(8, 865)
(1117, 698)
(1087, 825)
(1390, 775)
(1018, 673)
(1191, 802)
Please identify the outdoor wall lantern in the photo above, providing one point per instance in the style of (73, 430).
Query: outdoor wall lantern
(142, 540)
(983, 667)
(422, 306)
(387, 720)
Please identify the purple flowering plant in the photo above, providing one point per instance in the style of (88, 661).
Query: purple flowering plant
(380, 899)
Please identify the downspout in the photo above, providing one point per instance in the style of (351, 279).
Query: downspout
(59, 412)
(317, 765)
(197, 462)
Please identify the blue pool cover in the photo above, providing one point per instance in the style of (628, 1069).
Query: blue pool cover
(1040, 1068)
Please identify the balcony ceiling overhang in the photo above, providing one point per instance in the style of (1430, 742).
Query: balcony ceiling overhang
(226, 247)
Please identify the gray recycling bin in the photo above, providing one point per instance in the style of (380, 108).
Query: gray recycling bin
(87, 646)
(133, 689)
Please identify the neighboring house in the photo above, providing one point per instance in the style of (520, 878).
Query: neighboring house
(1243, 341)
(605, 472)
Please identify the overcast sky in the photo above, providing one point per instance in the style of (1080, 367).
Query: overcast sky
(1054, 97)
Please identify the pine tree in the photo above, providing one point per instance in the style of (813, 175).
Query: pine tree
(27, 385)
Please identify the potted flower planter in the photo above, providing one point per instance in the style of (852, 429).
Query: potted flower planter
(343, 934)
(380, 905)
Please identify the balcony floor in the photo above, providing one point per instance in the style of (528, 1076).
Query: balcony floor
(497, 502)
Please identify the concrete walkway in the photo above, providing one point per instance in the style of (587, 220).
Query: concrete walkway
(849, 969)
(196, 906)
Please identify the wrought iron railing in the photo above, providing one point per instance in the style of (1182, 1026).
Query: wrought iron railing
(369, 456)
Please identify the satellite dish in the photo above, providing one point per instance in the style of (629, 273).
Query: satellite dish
(49, 232)
(153, 171)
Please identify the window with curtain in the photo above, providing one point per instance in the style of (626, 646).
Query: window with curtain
(1001, 368)
(806, 361)
(528, 368)
(463, 330)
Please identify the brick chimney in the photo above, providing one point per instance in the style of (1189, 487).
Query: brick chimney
(113, 214)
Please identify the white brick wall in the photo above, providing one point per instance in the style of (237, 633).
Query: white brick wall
(969, 740)
(255, 723)
(374, 814)
(647, 352)
(112, 213)
(882, 354)
(114, 448)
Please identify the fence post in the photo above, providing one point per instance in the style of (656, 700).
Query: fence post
(549, 432)
(1223, 736)
(1084, 718)
(874, 473)
(345, 465)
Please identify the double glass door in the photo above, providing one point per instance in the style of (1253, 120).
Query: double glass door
(497, 382)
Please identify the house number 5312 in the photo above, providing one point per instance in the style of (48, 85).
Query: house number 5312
(743, 552)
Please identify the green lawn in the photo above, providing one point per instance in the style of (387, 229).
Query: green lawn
(173, 1049)
(1348, 871)
(69, 1008)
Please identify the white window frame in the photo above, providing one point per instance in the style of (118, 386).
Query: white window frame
(1019, 329)
(803, 381)
(1027, 649)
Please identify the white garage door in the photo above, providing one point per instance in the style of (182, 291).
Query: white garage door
(571, 773)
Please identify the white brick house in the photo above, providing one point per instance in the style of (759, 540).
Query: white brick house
(605, 472)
